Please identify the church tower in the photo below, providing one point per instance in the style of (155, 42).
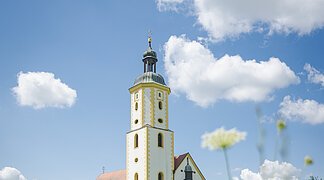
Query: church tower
(150, 143)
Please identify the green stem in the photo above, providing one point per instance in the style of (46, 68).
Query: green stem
(276, 148)
(227, 164)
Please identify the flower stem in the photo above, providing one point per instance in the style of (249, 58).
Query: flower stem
(227, 164)
(276, 148)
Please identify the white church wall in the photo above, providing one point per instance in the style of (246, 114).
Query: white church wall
(160, 158)
(136, 114)
(133, 153)
(147, 106)
(160, 113)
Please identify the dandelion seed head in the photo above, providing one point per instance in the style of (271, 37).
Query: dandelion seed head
(222, 139)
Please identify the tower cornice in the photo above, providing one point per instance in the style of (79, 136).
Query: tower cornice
(148, 85)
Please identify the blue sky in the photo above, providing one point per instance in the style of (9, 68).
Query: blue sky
(95, 48)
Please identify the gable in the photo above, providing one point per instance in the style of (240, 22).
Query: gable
(180, 165)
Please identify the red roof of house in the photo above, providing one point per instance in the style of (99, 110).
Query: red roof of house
(115, 175)
(178, 160)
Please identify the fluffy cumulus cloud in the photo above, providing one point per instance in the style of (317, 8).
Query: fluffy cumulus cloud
(41, 89)
(192, 69)
(10, 173)
(246, 174)
(230, 18)
(272, 170)
(307, 111)
(313, 75)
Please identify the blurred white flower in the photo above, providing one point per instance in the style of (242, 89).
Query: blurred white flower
(222, 139)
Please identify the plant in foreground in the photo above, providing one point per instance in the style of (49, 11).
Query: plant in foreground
(261, 137)
(222, 139)
(281, 126)
(314, 178)
(308, 160)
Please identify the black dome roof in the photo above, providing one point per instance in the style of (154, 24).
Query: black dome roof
(149, 53)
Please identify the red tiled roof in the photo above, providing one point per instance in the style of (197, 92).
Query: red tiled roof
(178, 160)
(115, 175)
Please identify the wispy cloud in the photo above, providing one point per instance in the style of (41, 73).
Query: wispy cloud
(168, 5)
(42, 89)
(193, 70)
(307, 111)
(313, 75)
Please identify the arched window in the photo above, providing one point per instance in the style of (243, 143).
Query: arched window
(160, 140)
(135, 141)
(136, 106)
(136, 176)
(160, 176)
(160, 105)
(160, 95)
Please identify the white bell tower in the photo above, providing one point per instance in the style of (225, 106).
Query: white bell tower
(150, 143)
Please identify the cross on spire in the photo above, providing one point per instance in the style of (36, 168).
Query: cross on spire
(149, 57)
(150, 39)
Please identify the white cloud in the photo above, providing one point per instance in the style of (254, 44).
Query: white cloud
(164, 5)
(192, 69)
(307, 111)
(41, 89)
(10, 173)
(313, 75)
(230, 18)
(272, 170)
(246, 174)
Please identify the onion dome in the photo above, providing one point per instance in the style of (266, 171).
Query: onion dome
(149, 60)
(149, 77)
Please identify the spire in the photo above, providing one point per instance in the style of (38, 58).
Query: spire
(149, 57)
(150, 39)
